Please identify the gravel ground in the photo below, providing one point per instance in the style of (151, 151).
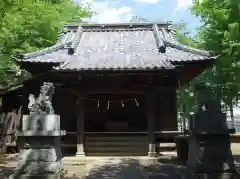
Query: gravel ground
(170, 168)
(166, 169)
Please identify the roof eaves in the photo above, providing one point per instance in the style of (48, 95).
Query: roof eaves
(6, 90)
(167, 65)
(25, 57)
(113, 69)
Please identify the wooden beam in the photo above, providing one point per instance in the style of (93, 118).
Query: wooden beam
(104, 90)
(122, 90)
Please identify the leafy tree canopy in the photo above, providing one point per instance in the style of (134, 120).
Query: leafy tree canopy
(29, 25)
(220, 33)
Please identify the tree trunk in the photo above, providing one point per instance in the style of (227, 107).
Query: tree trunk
(232, 115)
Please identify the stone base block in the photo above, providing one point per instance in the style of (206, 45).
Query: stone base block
(38, 122)
(148, 161)
(78, 160)
(80, 154)
(41, 133)
(152, 154)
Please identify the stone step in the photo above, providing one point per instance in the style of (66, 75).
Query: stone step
(74, 170)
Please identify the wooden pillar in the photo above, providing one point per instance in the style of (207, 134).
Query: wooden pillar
(80, 125)
(151, 123)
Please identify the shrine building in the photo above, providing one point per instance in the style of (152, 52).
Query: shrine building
(115, 85)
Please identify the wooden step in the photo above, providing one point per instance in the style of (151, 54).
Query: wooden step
(116, 154)
(115, 144)
(112, 149)
(163, 147)
(116, 139)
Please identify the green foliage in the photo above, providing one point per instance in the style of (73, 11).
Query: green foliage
(220, 33)
(186, 97)
(29, 25)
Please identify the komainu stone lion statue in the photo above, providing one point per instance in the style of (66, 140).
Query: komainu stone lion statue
(43, 103)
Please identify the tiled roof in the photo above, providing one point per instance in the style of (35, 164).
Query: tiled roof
(116, 46)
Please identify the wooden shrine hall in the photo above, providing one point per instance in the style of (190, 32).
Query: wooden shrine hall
(115, 85)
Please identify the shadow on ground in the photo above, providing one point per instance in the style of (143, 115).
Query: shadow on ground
(124, 168)
(170, 168)
(117, 169)
(165, 169)
(132, 169)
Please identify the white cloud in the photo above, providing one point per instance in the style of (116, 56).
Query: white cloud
(124, 9)
(148, 1)
(107, 12)
(183, 4)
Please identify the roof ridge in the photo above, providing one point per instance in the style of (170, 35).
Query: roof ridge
(159, 40)
(115, 24)
(44, 51)
(186, 48)
(76, 40)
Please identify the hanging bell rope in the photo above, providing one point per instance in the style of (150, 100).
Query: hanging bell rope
(122, 104)
(98, 104)
(113, 101)
(137, 104)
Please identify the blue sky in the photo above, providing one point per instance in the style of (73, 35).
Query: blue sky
(111, 11)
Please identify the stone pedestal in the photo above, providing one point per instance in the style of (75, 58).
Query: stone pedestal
(209, 138)
(209, 145)
(40, 151)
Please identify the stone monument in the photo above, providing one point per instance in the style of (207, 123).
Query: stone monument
(40, 151)
(209, 141)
